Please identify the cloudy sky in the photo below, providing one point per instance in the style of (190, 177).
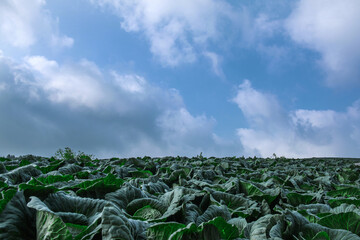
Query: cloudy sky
(135, 77)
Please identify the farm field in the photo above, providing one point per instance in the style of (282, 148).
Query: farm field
(74, 196)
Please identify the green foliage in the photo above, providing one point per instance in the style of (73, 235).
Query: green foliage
(37, 190)
(147, 213)
(321, 236)
(3, 185)
(75, 229)
(337, 202)
(107, 169)
(99, 187)
(296, 199)
(24, 162)
(52, 167)
(51, 179)
(162, 231)
(50, 226)
(67, 154)
(3, 159)
(188, 232)
(76, 197)
(226, 230)
(349, 221)
(141, 174)
(345, 192)
(6, 196)
(11, 167)
(82, 175)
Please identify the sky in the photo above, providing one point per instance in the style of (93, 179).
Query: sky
(133, 78)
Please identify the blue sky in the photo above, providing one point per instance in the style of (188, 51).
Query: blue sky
(133, 78)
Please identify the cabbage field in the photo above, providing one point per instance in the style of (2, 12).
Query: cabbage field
(76, 196)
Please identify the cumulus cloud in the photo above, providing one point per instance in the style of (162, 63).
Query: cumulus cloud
(46, 105)
(331, 29)
(77, 85)
(177, 30)
(298, 133)
(23, 23)
(181, 127)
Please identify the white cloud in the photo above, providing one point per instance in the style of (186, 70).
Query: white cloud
(330, 28)
(63, 41)
(215, 63)
(299, 133)
(177, 30)
(180, 126)
(23, 23)
(257, 106)
(50, 105)
(130, 83)
(316, 119)
(77, 85)
(253, 103)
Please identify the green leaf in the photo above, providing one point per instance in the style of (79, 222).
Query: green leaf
(232, 201)
(107, 169)
(52, 179)
(90, 231)
(82, 175)
(52, 167)
(122, 197)
(40, 191)
(11, 167)
(84, 185)
(296, 199)
(111, 179)
(214, 211)
(35, 182)
(100, 187)
(307, 187)
(138, 203)
(62, 202)
(249, 189)
(147, 213)
(162, 231)
(345, 192)
(115, 225)
(90, 164)
(188, 232)
(17, 221)
(141, 174)
(259, 228)
(226, 230)
(240, 223)
(310, 231)
(24, 162)
(50, 226)
(2, 159)
(349, 221)
(337, 202)
(75, 229)
(3, 184)
(6, 197)
(321, 236)
(310, 217)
